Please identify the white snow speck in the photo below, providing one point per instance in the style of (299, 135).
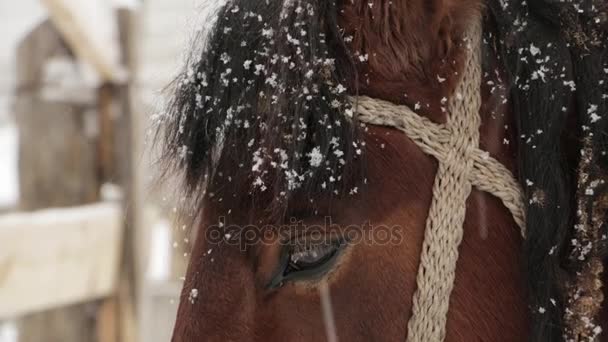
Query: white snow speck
(193, 296)
(534, 50)
(316, 158)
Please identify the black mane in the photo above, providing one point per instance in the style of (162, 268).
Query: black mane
(557, 57)
(270, 83)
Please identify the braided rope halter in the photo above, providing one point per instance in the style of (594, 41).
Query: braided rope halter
(462, 165)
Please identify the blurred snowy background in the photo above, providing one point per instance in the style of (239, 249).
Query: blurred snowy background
(167, 27)
(160, 34)
(15, 21)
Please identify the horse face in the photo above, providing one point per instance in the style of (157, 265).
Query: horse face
(362, 267)
(254, 286)
(234, 293)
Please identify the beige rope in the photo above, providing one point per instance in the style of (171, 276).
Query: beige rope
(488, 174)
(462, 165)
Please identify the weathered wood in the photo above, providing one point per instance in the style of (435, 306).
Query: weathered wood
(105, 118)
(90, 140)
(106, 321)
(131, 139)
(72, 323)
(58, 257)
(89, 28)
(57, 150)
(58, 168)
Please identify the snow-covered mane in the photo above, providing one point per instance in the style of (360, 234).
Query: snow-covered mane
(265, 106)
(557, 57)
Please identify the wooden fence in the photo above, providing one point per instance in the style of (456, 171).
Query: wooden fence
(70, 274)
(58, 257)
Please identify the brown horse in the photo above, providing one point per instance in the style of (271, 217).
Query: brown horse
(311, 225)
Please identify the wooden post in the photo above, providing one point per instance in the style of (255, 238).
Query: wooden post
(131, 154)
(105, 147)
(69, 147)
(57, 163)
(56, 143)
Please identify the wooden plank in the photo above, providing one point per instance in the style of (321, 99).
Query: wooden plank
(91, 31)
(74, 323)
(58, 257)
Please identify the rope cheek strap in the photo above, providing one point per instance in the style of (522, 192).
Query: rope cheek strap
(462, 165)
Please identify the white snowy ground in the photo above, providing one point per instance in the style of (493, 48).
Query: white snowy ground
(16, 19)
(9, 189)
(8, 333)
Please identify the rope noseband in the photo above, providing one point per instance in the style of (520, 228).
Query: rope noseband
(462, 165)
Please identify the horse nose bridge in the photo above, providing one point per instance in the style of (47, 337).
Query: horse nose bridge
(227, 313)
(218, 302)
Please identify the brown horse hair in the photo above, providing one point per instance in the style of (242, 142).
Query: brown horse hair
(231, 127)
(573, 80)
(414, 48)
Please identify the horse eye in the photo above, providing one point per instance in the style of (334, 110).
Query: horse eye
(310, 257)
(307, 262)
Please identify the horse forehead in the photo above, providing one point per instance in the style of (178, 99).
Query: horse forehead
(411, 49)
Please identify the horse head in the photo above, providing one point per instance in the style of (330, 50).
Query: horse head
(312, 225)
